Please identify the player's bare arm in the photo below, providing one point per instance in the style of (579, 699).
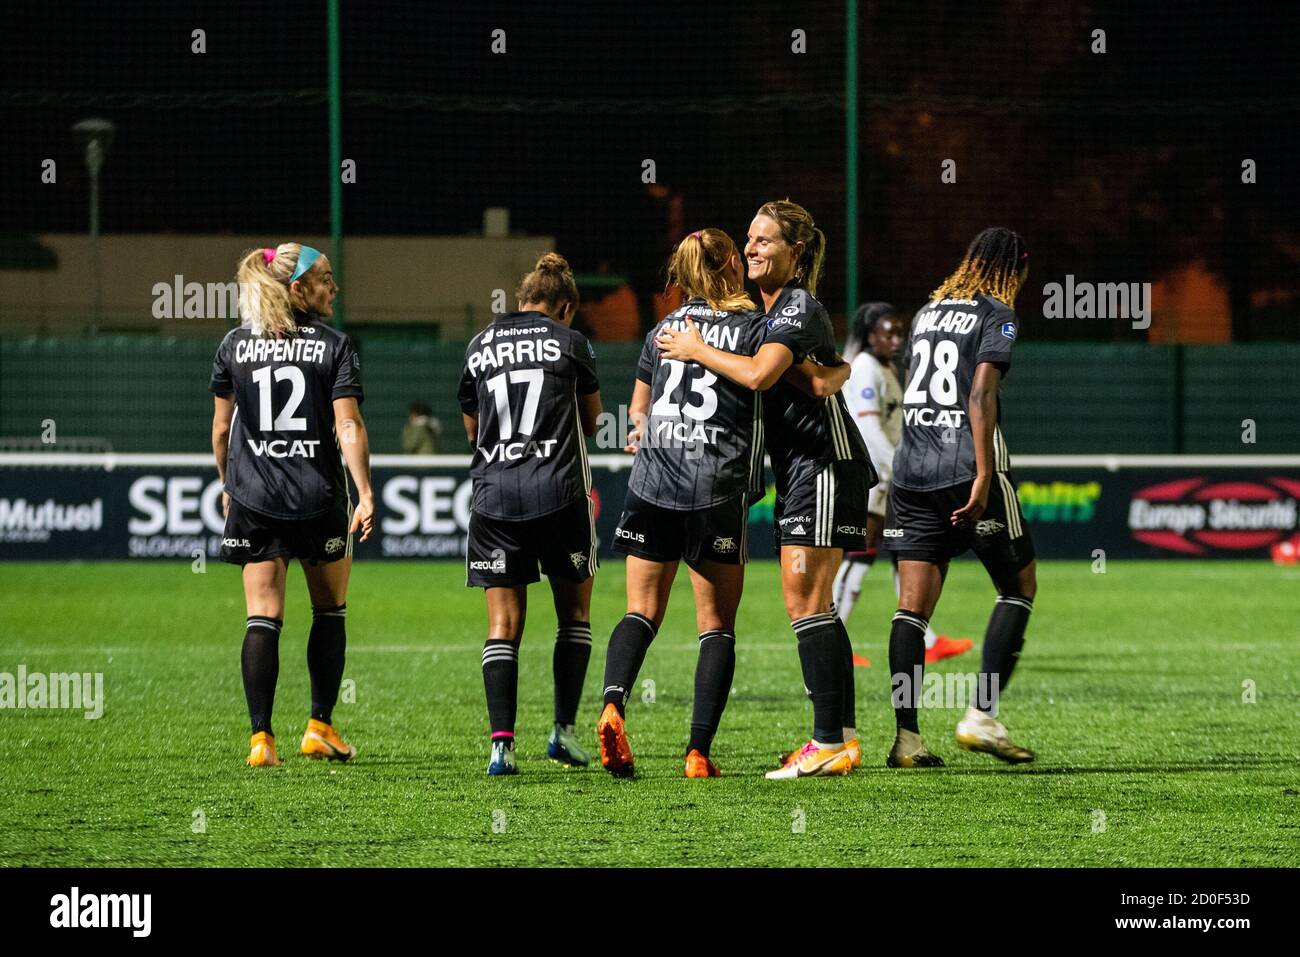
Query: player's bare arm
(636, 413)
(758, 372)
(983, 419)
(355, 443)
(817, 380)
(223, 412)
(471, 428)
(589, 409)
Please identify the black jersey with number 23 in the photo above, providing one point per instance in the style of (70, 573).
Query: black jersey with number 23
(702, 439)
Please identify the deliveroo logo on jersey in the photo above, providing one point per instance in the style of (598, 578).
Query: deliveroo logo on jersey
(1009, 330)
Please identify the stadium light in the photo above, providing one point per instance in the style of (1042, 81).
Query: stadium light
(95, 136)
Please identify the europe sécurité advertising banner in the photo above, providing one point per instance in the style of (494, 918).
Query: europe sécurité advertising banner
(142, 511)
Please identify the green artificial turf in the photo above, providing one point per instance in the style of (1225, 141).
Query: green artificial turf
(1130, 689)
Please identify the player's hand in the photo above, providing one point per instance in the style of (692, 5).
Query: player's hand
(363, 517)
(682, 344)
(973, 509)
(634, 437)
(225, 504)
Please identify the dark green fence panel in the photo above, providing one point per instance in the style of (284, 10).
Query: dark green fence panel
(1078, 399)
(1224, 386)
(149, 394)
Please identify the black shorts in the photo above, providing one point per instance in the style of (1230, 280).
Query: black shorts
(658, 534)
(827, 511)
(501, 553)
(250, 536)
(919, 527)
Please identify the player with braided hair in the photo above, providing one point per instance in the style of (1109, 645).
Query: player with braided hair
(952, 490)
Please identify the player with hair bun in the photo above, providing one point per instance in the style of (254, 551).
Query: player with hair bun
(287, 394)
(823, 472)
(953, 491)
(529, 395)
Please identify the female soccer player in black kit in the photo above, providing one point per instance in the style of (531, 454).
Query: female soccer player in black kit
(529, 395)
(952, 489)
(823, 472)
(287, 391)
(698, 467)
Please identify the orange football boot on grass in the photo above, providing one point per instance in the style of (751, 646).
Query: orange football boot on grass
(322, 741)
(615, 752)
(699, 766)
(261, 751)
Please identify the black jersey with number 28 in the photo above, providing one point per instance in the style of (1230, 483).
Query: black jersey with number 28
(702, 442)
(949, 338)
(522, 376)
(284, 457)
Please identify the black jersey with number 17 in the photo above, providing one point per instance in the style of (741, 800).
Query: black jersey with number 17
(949, 338)
(804, 434)
(284, 457)
(702, 441)
(522, 376)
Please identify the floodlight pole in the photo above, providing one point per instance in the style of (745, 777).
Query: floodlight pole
(95, 135)
(851, 157)
(94, 160)
(336, 164)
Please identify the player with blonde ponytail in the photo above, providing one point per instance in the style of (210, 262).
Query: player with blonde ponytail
(287, 393)
(823, 472)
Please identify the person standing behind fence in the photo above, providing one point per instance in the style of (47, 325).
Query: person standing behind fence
(421, 432)
(529, 394)
(287, 394)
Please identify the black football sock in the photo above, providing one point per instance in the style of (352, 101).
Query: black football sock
(623, 659)
(501, 682)
(714, 670)
(1003, 639)
(906, 666)
(260, 662)
(569, 668)
(325, 657)
(850, 687)
(822, 658)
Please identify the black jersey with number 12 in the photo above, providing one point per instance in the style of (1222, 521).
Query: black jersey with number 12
(949, 338)
(522, 376)
(284, 457)
(702, 441)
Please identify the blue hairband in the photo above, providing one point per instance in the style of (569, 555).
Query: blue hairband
(306, 256)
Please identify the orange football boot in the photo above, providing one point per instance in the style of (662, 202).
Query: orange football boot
(261, 751)
(945, 647)
(699, 766)
(615, 752)
(322, 741)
